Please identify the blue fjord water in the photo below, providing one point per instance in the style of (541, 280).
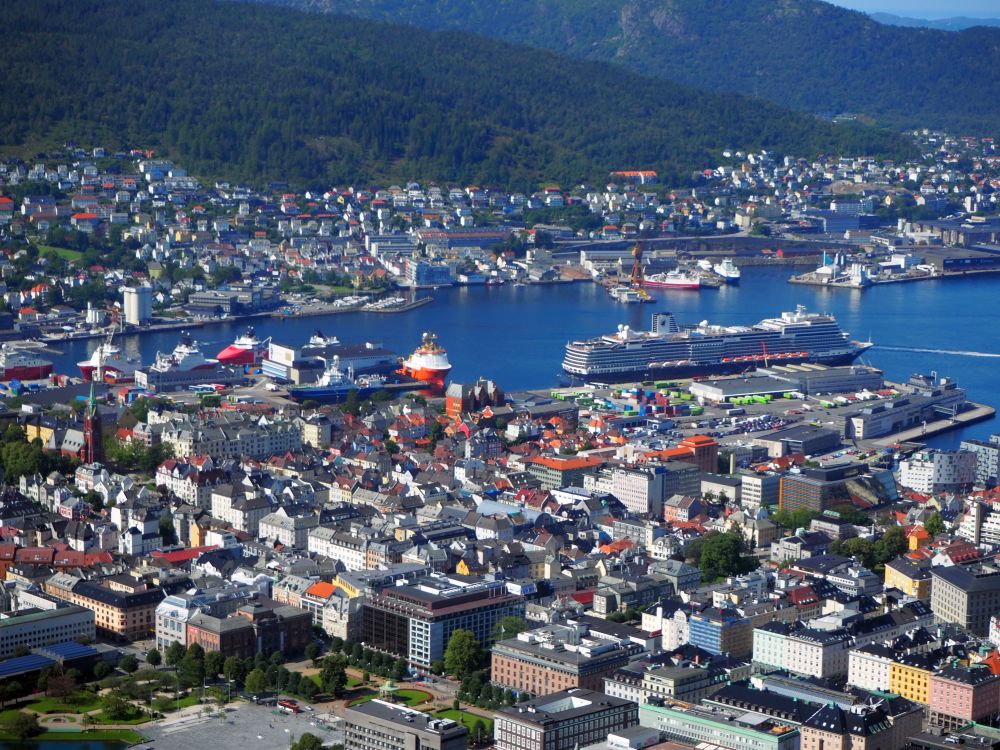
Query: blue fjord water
(516, 335)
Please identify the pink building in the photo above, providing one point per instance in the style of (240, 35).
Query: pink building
(960, 695)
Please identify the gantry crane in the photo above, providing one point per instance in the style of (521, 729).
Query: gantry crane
(638, 279)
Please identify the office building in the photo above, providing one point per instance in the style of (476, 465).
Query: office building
(33, 628)
(138, 305)
(702, 726)
(558, 657)
(966, 595)
(640, 489)
(759, 489)
(721, 631)
(568, 719)
(377, 725)
(987, 459)
(818, 489)
(416, 620)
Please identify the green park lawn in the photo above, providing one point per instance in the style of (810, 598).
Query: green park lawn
(77, 703)
(62, 252)
(406, 696)
(466, 718)
(103, 718)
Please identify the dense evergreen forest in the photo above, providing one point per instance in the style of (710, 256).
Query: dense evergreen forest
(801, 53)
(250, 92)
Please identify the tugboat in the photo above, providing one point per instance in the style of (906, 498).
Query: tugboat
(428, 363)
(245, 350)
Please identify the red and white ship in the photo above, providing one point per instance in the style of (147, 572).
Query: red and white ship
(429, 362)
(246, 350)
(186, 356)
(18, 364)
(675, 279)
(113, 365)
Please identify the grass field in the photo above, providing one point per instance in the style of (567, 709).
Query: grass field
(77, 703)
(466, 718)
(62, 252)
(123, 735)
(103, 718)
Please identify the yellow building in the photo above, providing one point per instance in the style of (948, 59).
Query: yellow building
(909, 577)
(911, 678)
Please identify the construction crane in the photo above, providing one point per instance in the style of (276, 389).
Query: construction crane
(638, 280)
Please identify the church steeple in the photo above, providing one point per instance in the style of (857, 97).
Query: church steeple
(93, 443)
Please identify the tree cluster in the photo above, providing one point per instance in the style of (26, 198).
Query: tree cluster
(354, 654)
(344, 100)
(706, 44)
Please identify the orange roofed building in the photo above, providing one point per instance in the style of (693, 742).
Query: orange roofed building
(555, 471)
(700, 450)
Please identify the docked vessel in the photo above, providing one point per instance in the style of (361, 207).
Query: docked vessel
(245, 350)
(19, 364)
(185, 356)
(428, 363)
(335, 384)
(629, 296)
(183, 367)
(667, 350)
(728, 270)
(675, 279)
(108, 363)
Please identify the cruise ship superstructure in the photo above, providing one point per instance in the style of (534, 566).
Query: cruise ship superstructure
(668, 350)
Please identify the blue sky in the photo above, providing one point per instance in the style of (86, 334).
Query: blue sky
(926, 8)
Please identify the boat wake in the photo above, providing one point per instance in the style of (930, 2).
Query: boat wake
(952, 352)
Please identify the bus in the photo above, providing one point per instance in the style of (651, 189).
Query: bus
(289, 707)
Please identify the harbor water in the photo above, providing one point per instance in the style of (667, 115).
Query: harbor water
(516, 334)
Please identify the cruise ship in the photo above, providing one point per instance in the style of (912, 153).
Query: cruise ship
(668, 350)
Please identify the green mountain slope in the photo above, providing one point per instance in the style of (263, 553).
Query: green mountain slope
(801, 53)
(251, 92)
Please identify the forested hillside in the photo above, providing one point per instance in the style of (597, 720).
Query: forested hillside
(801, 53)
(250, 92)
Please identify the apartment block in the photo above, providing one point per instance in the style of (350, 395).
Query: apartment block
(963, 695)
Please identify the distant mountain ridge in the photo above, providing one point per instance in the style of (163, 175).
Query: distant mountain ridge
(805, 54)
(248, 92)
(955, 23)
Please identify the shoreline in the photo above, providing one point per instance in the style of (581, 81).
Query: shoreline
(944, 275)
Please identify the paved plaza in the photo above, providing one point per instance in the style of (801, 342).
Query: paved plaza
(242, 727)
